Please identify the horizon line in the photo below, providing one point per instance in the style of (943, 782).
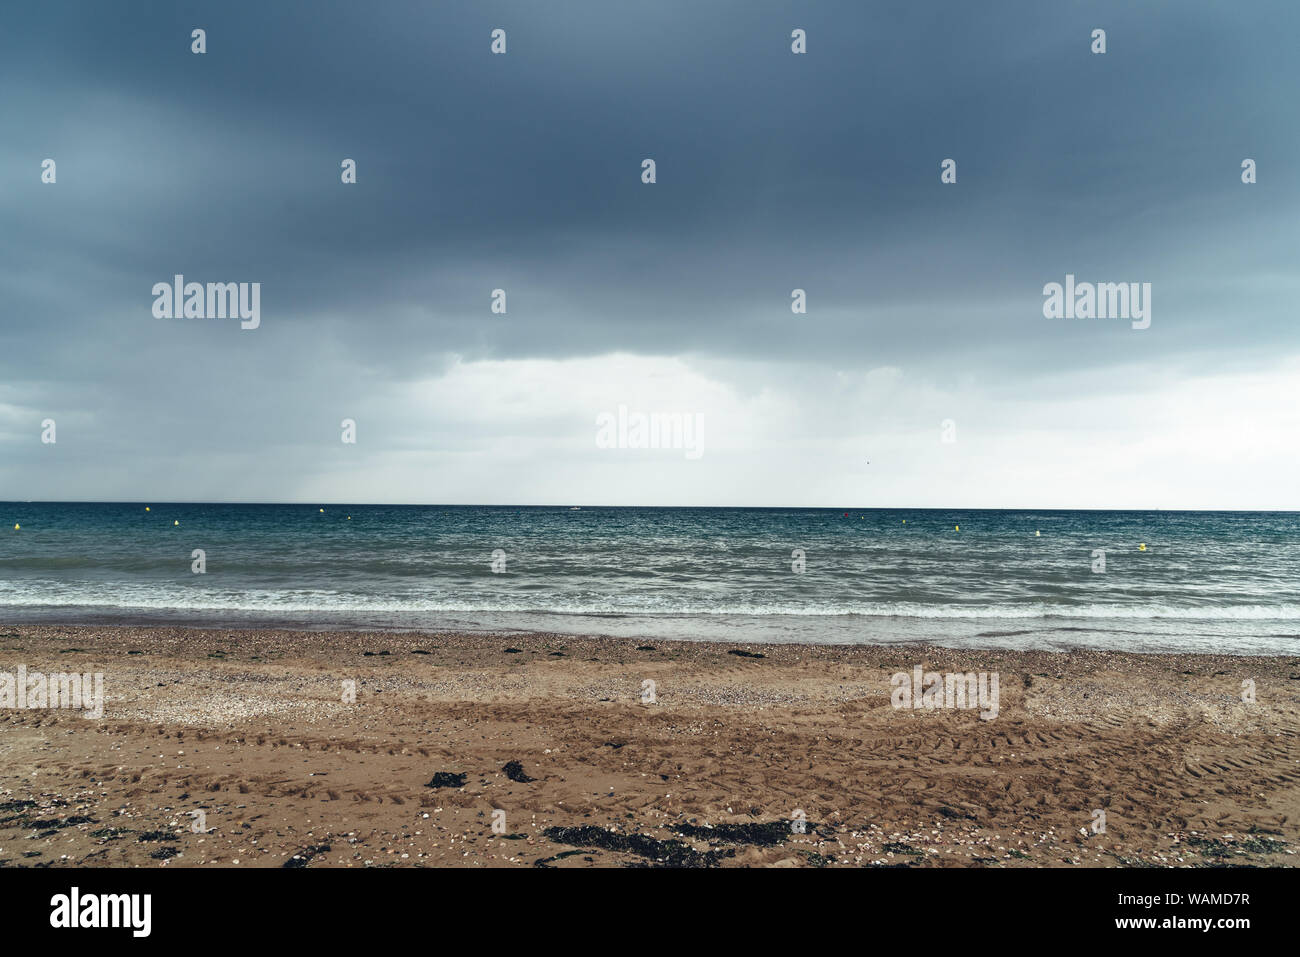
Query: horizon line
(856, 508)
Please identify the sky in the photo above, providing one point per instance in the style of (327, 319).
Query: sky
(924, 372)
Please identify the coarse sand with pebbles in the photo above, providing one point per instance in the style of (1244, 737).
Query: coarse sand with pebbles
(244, 748)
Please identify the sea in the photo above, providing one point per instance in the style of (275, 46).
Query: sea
(1146, 581)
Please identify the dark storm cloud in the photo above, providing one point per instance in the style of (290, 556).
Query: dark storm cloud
(522, 171)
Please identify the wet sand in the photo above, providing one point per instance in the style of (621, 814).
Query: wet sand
(250, 729)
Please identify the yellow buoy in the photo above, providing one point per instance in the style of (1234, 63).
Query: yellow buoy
(322, 510)
(1142, 547)
(16, 527)
(904, 521)
(1038, 534)
(957, 527)
(175, 523)
(349, 518)
(146, 508)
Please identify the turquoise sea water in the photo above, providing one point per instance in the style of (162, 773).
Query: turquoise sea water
(1207, 581)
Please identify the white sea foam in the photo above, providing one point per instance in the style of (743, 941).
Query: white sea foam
(31, 594)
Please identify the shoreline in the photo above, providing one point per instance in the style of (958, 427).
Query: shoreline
(1143, 636)
(247, 728)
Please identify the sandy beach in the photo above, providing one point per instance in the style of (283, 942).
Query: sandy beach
(237, 748)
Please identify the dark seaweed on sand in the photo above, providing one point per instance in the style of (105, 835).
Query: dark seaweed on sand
(156, 836)
(663, 853)
(447, 779)
(55, 823)
(763, 835)
(515, 772)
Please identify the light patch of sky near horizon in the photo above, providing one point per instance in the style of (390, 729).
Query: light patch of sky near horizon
(524, 432)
